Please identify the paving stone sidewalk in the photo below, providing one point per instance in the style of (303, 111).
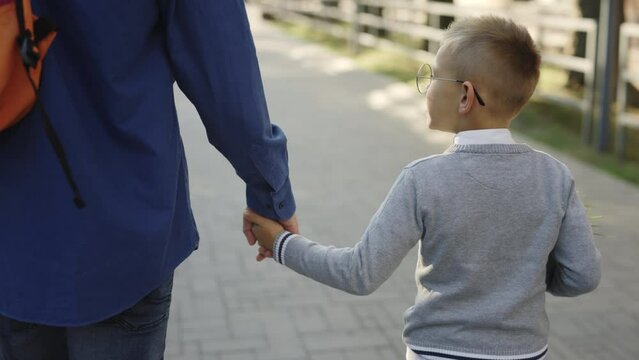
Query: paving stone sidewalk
(350, 133)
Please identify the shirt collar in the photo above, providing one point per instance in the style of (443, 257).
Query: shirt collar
(484, 136)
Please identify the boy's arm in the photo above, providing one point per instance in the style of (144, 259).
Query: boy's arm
(360, 270)
(574, 264)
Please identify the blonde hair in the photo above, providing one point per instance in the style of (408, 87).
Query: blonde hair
(500, 54)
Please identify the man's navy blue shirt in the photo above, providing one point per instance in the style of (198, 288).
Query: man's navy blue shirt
(108, 88)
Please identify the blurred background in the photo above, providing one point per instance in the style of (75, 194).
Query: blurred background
(339, 79)
(589, 89)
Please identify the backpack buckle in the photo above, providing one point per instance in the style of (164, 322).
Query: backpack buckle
(28, 51)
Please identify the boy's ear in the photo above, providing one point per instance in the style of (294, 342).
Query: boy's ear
(467, 99)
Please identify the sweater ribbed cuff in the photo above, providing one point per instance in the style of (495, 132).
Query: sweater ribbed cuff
(442, 353)
(279, 246)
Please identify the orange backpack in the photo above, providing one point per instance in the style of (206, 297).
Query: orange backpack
(24, 40)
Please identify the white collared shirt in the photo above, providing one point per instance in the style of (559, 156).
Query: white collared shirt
(484, 136)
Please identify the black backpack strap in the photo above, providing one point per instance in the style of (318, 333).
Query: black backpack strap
(26, 43)
(30, 57)
(21, 18)
(42, 27)
(59, 150)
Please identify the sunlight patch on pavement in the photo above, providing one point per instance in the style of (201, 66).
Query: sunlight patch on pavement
(404, 105)
(280, 46)
(317, 57)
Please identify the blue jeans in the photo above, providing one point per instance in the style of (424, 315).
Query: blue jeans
(138, 333)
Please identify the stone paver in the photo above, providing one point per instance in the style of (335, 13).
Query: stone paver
(350, 133)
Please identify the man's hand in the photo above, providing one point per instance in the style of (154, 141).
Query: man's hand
(264, 230)
(291, 225)
(265, 252)
(246, 227)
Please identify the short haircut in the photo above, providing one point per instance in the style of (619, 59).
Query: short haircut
(500, 54)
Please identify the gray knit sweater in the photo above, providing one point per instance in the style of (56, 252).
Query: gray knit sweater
(498, 226)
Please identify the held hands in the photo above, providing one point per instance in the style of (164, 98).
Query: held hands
(264, 231)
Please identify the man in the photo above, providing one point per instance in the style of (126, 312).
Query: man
(95, 283)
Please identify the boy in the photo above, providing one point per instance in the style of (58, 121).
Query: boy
(498, 223)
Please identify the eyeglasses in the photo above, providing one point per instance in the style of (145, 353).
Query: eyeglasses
(425, 76)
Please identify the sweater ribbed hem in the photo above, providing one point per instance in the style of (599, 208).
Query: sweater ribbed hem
(489, 148)
(443, 352)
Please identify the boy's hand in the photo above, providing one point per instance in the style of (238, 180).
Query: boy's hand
(264, 230)
(263, 253)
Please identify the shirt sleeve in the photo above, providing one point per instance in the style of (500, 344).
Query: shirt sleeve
(214, 62)
(392, 233)
(574, 264)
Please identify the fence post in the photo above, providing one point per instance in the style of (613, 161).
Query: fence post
(354, 36)
(589, 86)
(608, 34)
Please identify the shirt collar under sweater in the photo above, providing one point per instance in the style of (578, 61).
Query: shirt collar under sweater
(484, 136)
(487, 141)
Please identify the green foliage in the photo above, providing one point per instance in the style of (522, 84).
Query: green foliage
(554, 125)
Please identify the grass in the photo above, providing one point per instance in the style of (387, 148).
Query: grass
(392, 64)
(552, 79)
(306, 32)
(554, 125)
(547, 122)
